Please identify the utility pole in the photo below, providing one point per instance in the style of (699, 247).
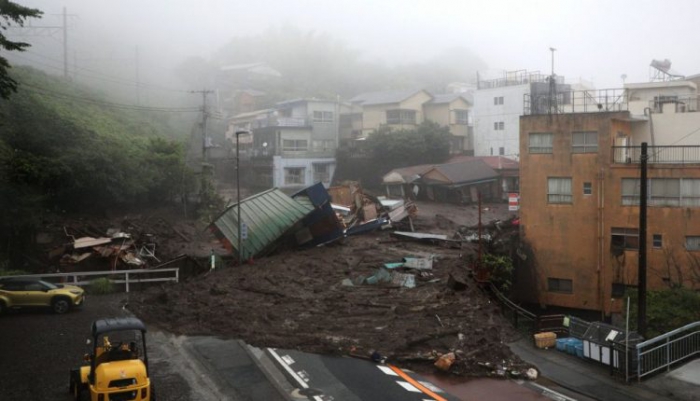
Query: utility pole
(49, 30)
(136, 67)
(642, 280)
(65, 44)
(205, 116)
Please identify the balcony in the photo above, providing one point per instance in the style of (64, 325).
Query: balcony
(657, 154)
(566, 102)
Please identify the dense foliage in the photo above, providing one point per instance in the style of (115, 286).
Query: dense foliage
(500, 269)
(428, 143)
(11, 13)
(666, 309)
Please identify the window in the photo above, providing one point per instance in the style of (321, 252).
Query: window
(624, 238)
(322, 173)
(587, 188)
(664, 192)
(630, 191)
(34, 286)
(295, 145)
(690, 192)
(400, 116)
(584, 142)
(656, 241)
(692, 243)
(498, 126)
(323, 145)
(498, 100)
(559, 190)
(501, 151)
(323, 116)
(294, 175)
(461, 117)
(540, 142)
(562, 285)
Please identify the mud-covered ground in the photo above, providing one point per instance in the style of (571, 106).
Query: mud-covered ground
(297, 300)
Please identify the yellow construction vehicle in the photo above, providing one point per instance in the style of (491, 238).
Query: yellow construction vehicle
(114, 370)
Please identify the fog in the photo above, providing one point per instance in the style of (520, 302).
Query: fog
(597, 41)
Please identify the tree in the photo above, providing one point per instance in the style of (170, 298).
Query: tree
(10, 13)
(429, 143)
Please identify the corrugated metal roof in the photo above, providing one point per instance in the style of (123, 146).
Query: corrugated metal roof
(268, 216)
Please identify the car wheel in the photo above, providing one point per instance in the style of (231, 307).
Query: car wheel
(60, 305)
(77, 390)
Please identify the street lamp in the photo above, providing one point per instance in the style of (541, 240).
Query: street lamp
(238, 194)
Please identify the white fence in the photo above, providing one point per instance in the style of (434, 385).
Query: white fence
(126, 277)
(663, 351)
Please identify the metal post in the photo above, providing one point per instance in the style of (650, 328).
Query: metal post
(642, 280)
(238, 195)
(627, 342)
(127, 282)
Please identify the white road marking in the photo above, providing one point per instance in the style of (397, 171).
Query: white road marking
(387, 370)
(549, 393)
(294, 375)
(432, 387)
(288, 359)
(408, 386)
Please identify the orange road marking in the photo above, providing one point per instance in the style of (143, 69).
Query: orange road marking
(417, 385)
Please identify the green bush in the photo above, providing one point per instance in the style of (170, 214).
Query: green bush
(101, 285)
(500, 268)
(4, 272)
(666, 309)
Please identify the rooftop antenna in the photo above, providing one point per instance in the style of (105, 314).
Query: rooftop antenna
(551, 49)
(624, 77)
(552, 87)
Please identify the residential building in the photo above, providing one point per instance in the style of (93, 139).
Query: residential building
(508, 172)
(452, 110)
(292, 146)
(406, 109)
(580, 192)
(498, 105)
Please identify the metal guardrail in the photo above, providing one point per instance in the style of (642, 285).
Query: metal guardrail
(518, 311)
(663, 351)
(127, 280)
(585, 101)
(672, 154)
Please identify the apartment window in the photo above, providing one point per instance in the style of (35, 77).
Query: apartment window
(295, 145)
(540, 142)
(323, 145)
(501, 151)
(322, 173)
(656, 241)
(497, 101)
(461, 117)
(692, 243)
(624, 238)
(690, 192)
(587, 188)
(630, 191)
(400, 116)
(323, 116)
(584, 142)
(562, 285)
(294, 175)
(664, 192)
(499, 126)
(559, 190)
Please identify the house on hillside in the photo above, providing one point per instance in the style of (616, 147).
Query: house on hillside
(292, 146)
(580, 196)
(452, 110)
(404, 182)
(406, 109)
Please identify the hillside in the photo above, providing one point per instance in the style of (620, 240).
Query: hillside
(65, 148)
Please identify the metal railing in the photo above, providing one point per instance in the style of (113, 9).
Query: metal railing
(683, 104)
(129, 276)
(672, 154)
(522, 318)
(663, 351)
(585, 101)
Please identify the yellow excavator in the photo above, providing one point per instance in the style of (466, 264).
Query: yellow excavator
(114, 370)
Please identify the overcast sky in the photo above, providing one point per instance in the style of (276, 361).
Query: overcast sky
(595, 40)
